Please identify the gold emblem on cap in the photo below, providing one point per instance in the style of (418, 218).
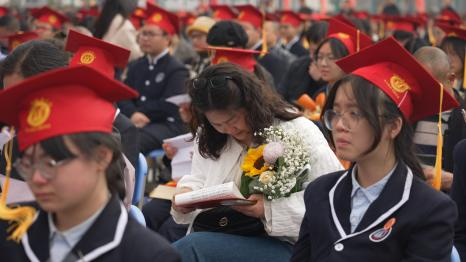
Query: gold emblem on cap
(222, 59)
(139, 12)
(87, 57)
(398, 84)
(39, 113)
(241, 14)
(343, 36)
(53, 19)
(157, 17)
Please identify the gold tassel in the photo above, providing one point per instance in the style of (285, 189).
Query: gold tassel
(464, 70)
(357, 40)
(264, 38)
(381, 30)
(430, 34)
(22, 217)
(437, 183)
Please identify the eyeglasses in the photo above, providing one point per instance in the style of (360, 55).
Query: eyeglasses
(329, 58)
(215, 82)
(350, 119)
(47, 169)
(149, 34)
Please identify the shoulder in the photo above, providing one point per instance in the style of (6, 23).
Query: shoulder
(141, 244)
(141, 61)
(323, 184)
(421, 192)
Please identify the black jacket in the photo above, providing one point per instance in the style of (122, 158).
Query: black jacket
(155, 83)
(298, 50)
(276, 66)
(422, 231)
(458, 194)
(129, 135)
(102, 242)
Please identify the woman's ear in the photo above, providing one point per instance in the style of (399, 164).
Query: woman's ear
(395, 127)
(103, 157)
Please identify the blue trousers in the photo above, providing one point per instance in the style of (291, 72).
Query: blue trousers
(219, 247)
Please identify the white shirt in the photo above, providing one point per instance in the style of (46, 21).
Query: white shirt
(154, 60)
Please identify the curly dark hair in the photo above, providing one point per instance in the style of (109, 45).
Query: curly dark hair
(240, 90)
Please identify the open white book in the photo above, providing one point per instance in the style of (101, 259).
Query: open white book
(224, 194)
(181, 162)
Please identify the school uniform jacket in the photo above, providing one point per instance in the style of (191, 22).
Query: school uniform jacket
(114, 236)
(276, 66)
(155, 83)
(409, 221)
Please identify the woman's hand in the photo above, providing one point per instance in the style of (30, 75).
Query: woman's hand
(170, 151)
(184, 210)
(256, 210)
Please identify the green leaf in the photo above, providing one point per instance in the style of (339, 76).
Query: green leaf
(244, 187)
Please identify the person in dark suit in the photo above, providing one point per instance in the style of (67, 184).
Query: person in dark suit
(458, 194)
(156, 76)
(251, 20)
(382, 204)
(72, 164)
(290, 26)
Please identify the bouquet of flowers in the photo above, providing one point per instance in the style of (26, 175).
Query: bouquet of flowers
(277, 168)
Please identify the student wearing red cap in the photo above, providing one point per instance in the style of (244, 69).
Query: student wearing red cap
(9, 25)
(290, 27)
(381, 209)
(222, 12)
(113, 25)
(72, 164)
(47, 21)
(341, 40)
(156, 76)
(251, 19)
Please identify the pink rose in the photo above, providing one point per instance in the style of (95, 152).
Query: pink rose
(272, 152)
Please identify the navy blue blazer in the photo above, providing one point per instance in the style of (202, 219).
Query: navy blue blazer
(114, 237)
(458, 194)
(155, 83)
(409, 221)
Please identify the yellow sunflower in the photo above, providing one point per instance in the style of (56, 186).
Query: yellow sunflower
(254, 163)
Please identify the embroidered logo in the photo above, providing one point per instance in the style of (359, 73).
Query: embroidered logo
(53, 19)
(241, 15)
(382, 233)
(38, 114)
(157, 17)
(343, 36)
(222, 59)
(87, 57)
(139, 12)
(159, 77)
(398, 85)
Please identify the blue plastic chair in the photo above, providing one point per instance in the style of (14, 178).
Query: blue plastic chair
(156, 153)
(136, 213)
(141, 173)
(455, 257)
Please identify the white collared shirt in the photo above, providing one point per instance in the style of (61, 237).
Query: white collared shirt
(362, 198)
(154, 60)
(61, 243)
(291, 43)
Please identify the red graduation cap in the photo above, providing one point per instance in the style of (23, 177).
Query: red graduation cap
(60, 102)
(452, 31)
(15, 40)
(242, 57)
(353, 39)
(408, 24)
(137, 16)
(162, 18)
(314, 17)
(397, 73)
(222, 12)
(250, 14)
(101, 55)
(449, 16)
(3, 10)
(187, 18)
(290, 18)
(363, 15)
(49, 16)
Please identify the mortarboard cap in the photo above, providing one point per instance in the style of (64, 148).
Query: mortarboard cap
(61, 102)
(250, 14)
(449, 16)
(202, 24)
(222, 12)
(290, 18)
(452, 31)
(242, 57)
(408, 24)
(399, 75)
(94, 52)
(162, 18)
(137, 16)
(15, 40)
(353, 39)
(3, 10)
(49, 16)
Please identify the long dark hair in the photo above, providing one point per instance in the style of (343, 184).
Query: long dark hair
(110, 9)
(373, 104)
(32, 58)
(87, 144)
(242, 91)
(454, 45)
